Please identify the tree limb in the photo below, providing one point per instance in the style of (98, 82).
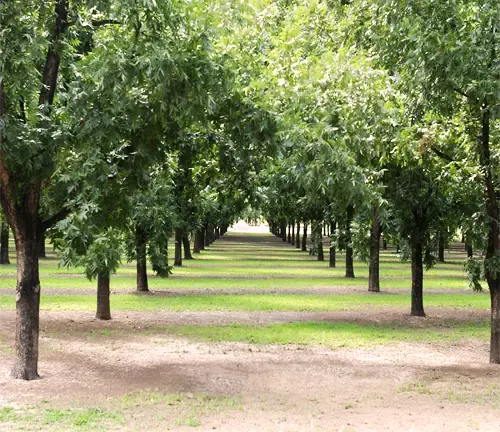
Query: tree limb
(51, 221)
(442, 155)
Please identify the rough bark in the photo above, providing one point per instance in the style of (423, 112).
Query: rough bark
(178, 248)
(41, 245)
(333, 255)
(103, 306)
(297, 237)
(373, 273)
(4, 244)
(349, 259)
(441, 248)
(417, 279)
(27, 307)
(304, 238)
(140, 249)
(187, 247)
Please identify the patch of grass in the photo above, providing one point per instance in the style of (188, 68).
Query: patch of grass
(332, 335)
(86, 419)
(182, 409)
(419, 387)
(258, 302)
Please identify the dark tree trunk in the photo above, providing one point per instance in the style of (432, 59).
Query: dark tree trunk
(41, 245)
(141, 240)
(4, 244)
(417, 280)
(384, 244)
(333, 255)
(493, 245)
(324, 230)
(304, 238)
(289, 240)
(293, 234)
(283, 232)
(373, 277)
(187, 247)
(319, 239)
(27, 306)
(349, 260)
(198, 242)
(441, 248)
(217, 233)
(470, 252)
(297, 237)
(103, 306)
(178, 248)
(207, 236)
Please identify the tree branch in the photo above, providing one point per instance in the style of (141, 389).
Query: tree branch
(442, 155)
(51, 221)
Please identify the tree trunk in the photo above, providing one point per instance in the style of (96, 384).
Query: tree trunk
(103, 307)
(304, 238)
(178, 248)
(206, 236)
(4, 244)
(384, 244)
(417, 280)
(198, 242)
(41, 245)
(373, 277)
(140, 249)
(319, 239)
(470, 252)
(297, 237)
(349, 260)
(283, 232)
(441, 248)
(217, 233)
(27, 306)
(333, 255)
(187, 247)
(293, 234)
(289, 240)
(493, 245)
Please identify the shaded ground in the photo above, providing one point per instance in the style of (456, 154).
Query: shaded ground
(128, 374)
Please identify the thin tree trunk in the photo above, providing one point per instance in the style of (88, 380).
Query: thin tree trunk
(41, 245)
(187, 247)
(493, 246)
(217, 233)
(304, 238)
(4, 244)
(27, 306)
(297, 237)
(140, 249)
(283, 232)
(417, 280)
(349, 260)
(178, 248)
(441, 248)
(103, 306)
(384, 244)
(470, 252)
(293, 234)
(319, 239)
(206, 236)
(289, 240)
(373, 277)
(333, 252)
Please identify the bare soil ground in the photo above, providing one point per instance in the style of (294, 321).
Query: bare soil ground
(398, 387)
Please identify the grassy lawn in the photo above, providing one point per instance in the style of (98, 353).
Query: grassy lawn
(333, 335)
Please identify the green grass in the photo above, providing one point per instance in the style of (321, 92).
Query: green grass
(259, 302)
(57, 419)
(333, 335)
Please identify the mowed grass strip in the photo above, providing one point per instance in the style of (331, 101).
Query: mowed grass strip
(260, 302)
(332, 335)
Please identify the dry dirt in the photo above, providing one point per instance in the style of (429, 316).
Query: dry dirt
(399, 387)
